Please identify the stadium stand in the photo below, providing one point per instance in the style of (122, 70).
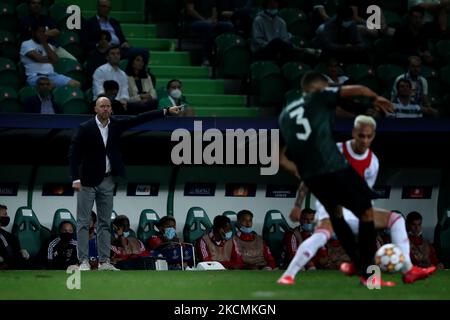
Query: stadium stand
(147, 227)
(197, 223)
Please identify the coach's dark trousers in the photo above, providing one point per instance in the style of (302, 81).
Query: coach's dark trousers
(103, 196)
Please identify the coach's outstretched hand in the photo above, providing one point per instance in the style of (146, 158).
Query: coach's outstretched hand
(383, 104)
(174, 111)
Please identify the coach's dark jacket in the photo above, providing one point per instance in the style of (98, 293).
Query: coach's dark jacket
(87, 151)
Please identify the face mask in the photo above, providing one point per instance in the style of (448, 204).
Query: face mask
(228, 235)
(170, 233)
(4, 221)
(346, 24)
(66, 236)
(176, 93)
(414, 234)
(126, 234)
(308, 227)
(272, 12)
(246, 229)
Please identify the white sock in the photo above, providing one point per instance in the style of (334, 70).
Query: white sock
(305, 252)
(400, 238)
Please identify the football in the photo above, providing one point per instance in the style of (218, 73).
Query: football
(390, 258)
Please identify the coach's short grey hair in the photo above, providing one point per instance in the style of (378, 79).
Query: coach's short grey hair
(365, 120)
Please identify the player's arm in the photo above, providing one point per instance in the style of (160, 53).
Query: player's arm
(296, 211)
(380, 103)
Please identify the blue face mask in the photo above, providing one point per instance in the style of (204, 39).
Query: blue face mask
(347, 24)
(272, 12)
(228, 235)
(308, 227)
(126, 234)
(170, 233)
(246, 229)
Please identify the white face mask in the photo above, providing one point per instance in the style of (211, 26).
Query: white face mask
(176, 93)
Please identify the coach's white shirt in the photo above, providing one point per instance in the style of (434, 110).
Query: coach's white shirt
(108, 72)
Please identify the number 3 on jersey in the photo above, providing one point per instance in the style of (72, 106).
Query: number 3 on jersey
(298, 114)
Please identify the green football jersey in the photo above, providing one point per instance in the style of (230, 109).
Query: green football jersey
(306, 128)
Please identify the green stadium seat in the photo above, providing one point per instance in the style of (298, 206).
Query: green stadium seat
(58, 13)
(293, 95)
(445, 75)
(46, 234)
(388, 72)
(123, 64)
(89, 95)
(197, 223)
(233, 218)
(233, 56)
(70, 100)
(8, 20)
(9, 102)
(8, 74)
(8, 46)
(70, 40)
(267, 82)
(296, 21)
(147, 225)
(27, 229)
(393, 19)
(60, 216)
(26, 92)
(293, 72)
(443, 50)
(357, 72)
(70, 68)
(274, 227)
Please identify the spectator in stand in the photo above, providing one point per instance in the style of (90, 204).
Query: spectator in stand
(111, 89)
(410, 39)
(202, 19)
(51, 29)
(62, 251)
(238, 13)
(140, 85)
(175, 98)
(38, 57)
(97, 57)
(111, 71)
(419, 84)
(219, 245)
(103, 21)
(339, 37)
(270, 37)
(42, 102)
(255, 253)
(334, 78)
(360, 17)
(11, 256)
(404, 105)
(294, 237)
(423, 253)
(166, 243)
(126, 250)
(432, 8)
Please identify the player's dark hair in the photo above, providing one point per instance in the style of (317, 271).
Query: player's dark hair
(413, 216)
(308, 211)
(110, 85)
(112, 48)
(63, 223)
(164, 220)
(242, 213)
(2, 206)
(403, 81)
(121, 221)
(220, 222)
(172, 81)
(311, 77)
(37, 23)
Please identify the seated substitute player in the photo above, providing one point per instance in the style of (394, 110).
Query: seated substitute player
(364, 161)
(219, 245)
(255, 253)
(306, 126)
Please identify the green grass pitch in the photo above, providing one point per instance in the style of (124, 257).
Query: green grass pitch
(211, 285)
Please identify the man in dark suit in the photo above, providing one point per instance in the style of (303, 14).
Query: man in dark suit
(42, 102)
(102, 21)
(94, 157)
